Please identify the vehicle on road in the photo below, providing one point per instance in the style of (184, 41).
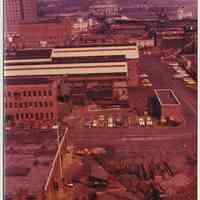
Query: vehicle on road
(149, 121)
(110, 122)
(141, 122)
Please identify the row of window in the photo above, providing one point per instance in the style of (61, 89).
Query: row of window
(36, 116)
(35, 104)
(30, 93)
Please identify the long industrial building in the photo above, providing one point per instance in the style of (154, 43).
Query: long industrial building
(100, 63)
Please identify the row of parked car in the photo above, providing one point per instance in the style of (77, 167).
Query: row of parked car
(182, 74)
(102, 121)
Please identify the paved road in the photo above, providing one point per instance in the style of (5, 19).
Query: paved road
(161, 76)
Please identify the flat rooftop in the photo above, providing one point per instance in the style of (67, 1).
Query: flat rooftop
(28, 53)
(166, 97)
(68, 60)
(28, 159)
(45, 54)
(27, 81)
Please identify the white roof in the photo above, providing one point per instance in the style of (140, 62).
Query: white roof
(130, 52)
(55, 69)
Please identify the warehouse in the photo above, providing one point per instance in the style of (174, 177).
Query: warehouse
(97, 63)
(79, 68)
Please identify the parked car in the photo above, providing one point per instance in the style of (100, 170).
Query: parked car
(44, 127)
(101, 121)
(88, 123)
(143, 76)
(95, 123)
(147, 84)
(125, 122)
(173, 64)
(163, 121)
(149, 121)
(145, 80)
(7, 128)
(110, 122)
(189, 81)
(178, 76)
(141, 122)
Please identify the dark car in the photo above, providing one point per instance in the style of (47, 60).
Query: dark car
(96, 183)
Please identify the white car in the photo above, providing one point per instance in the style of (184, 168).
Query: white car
(141, 122)
(110, 122)
(143, 76)
(94, 123)
(149, 121)
(173, 64)
(7, 128)
(189, 81)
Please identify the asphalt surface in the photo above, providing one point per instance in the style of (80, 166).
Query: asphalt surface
(124, 139)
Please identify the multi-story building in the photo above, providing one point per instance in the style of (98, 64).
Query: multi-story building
(54, 32)
(17, 11)
(81, 67)
(28, 100)
(104, 9)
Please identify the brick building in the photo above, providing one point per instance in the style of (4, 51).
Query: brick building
(50, 33)
(17, 11)
(79, 68)
(30, 100)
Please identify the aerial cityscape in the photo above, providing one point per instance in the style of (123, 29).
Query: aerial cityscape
(100, 100)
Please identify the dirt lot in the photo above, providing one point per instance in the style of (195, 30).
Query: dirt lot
(157, 171)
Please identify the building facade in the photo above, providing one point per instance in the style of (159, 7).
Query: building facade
(17, 11)
(107, 10)
(85, 70)
(31, 100)
(50, 33)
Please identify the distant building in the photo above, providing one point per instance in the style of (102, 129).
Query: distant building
(170, 38)
(107, 10)
(183, 13)
(31, 100)
(44, 33)
(17, 11)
